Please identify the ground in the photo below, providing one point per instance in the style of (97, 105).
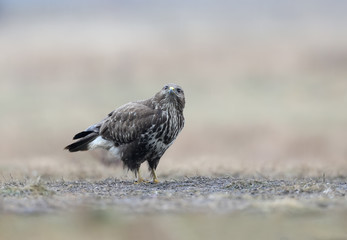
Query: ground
(188, 208)
(247, 183)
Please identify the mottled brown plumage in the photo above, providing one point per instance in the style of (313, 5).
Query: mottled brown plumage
(138, 131)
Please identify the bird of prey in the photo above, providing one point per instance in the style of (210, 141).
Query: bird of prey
(138, 131)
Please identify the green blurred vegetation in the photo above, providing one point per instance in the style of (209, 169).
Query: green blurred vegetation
(107, 224)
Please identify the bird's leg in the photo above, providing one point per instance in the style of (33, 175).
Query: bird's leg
(139, 178)
(154, 175)
(138, 175)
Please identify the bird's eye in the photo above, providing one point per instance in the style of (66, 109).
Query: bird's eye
(179, 90)
(166, 87)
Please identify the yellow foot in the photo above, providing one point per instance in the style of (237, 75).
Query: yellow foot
(155, 180)
(141, 180)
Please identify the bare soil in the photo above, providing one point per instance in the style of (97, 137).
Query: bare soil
(193, 195)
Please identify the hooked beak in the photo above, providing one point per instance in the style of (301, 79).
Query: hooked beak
(171, 90)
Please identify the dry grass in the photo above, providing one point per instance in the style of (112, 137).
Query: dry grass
(190, 208)
(253, 151)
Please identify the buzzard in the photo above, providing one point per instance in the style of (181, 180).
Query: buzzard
(138, 131)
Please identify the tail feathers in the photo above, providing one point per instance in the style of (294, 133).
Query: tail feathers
(82, 134)
(82, 144)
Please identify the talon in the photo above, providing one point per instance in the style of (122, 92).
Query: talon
(155, 180)
(143, 181)
(140, 180)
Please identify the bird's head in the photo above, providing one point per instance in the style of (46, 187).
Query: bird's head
(171, 94)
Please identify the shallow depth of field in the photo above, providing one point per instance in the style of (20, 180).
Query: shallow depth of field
(263, 154)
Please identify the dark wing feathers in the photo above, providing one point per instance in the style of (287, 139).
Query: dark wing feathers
(128, 122)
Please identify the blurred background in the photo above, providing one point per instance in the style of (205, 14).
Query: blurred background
(265, 83)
